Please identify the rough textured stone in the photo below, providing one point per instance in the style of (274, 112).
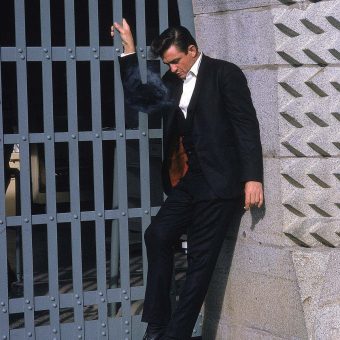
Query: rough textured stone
(283, 280)
(244, 37)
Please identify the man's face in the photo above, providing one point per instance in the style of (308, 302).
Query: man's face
(179, 62)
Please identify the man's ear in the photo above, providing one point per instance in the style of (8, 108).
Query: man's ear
(192, 50)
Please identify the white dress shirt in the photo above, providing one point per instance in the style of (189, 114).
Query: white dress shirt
(189, 86)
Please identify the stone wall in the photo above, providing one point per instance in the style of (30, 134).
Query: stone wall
(284, 279)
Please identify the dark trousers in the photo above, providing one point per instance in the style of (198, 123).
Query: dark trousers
(193, 209)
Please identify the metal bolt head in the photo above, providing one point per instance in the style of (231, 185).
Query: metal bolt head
(23, 138)
(103, 324)
(22, 57)
(126, 298)
(27, 301)
(144, 133)
(73, 136)
(121, 135)
(127, 331)
(103, 333)
(97, 135)
(100, 293)
(29, 334)
(51, 218)
(1, 222)
(20, 50)
(69, 49)
(49, 137)
(100, 215)
(102, 300)
(4, 337)
(94, 49)
(96, 56)
(47, 57)
(72, 56)
(75, 216)
(146, 212)
(195, 331)
(54, 305)
(79, 303)
(4, 310)
(124, 291)
(127, 322)
(2, 303)
(117, 49)
(80, 336)
(29, 307)
(45, 50)
(54, 331)
(143, 56)
(123, 213)
(141, 49)
(80, 328)
(76, 295)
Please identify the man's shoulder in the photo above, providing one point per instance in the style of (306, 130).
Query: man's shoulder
(221, 64)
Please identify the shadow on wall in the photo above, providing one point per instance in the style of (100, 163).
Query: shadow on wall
(215, 299)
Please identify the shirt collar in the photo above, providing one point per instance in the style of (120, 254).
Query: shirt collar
(194, 68)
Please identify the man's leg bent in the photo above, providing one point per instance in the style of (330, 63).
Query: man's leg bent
(169, 224)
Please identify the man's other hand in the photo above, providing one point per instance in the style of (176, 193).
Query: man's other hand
(253, 194)
(126, 36)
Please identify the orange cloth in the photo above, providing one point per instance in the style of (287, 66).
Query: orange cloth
(179, 164)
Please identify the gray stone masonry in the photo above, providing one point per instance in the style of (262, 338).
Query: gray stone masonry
(284, 278)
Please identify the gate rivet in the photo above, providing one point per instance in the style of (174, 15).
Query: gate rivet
(45, 50)
(100, 214)
(117, 49)
(121, 135)
(80, 328)
(52, 297)
(47, 57)
(27, 301)
(126, 298)
(29, 334)
(70, 50)
(94, 49)
(102, 300)
(54, 331)
(26, 220)
(143, 56)
(100, 293)
(96, 56)
(97, 135)
(79, 336)
(79, 303)
(4, 310)
(20, 50)
(103, 333)
(49, 137)
(141, 49)
(22, 57)
(4, 337)
(76, 296)
(103, 324)
(195, 331)
(29, 307)
(124, 291)
(54, 305)
(1, 221)
(146, 212)
(144, 133)
(127, 331)
(126, 322)
(72, 56)
(123, 213)
(73, 136)
(23, 137)
(2, 303)
(75, 216)
(51, 218)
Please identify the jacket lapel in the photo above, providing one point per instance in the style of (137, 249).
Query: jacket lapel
(202, 73)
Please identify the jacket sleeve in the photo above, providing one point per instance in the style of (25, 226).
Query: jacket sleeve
(237, 99)
(150, 97)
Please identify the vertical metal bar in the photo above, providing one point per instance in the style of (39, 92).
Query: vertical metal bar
(25, 178)
(72, 109)
(98, 169)
(163, 10)
(4, 317)
(51, 211)
(186, 15)
(143, 131)
(122, 185)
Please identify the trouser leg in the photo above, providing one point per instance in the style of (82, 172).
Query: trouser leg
(205, 237)
(169, 224)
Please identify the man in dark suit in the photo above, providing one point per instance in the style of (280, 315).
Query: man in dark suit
(212, 164)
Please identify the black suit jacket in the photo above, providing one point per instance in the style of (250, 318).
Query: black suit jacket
(225, 128)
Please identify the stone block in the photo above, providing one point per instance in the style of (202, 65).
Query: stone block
(242, 37)
(261, 293)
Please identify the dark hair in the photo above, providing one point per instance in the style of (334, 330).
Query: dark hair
(177, 35)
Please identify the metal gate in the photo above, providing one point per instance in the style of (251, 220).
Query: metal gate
(84, 177)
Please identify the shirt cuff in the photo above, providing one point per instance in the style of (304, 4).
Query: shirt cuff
(126, 54)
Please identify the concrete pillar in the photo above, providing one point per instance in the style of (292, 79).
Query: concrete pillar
(284, 278)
